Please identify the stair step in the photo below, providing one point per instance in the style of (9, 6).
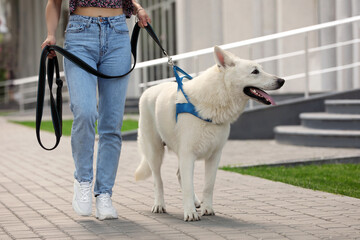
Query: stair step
(331, 121)
(133, 110)
(132, 105)
(346, 106)
(300, 135)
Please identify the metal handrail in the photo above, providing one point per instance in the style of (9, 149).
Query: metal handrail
(252, 41)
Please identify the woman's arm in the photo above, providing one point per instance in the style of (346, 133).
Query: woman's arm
(52, 14)
(141, 14)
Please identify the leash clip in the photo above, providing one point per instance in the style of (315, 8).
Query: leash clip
(170, 61)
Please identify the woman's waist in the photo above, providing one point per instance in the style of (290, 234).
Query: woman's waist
(98, 12)
(98, 19)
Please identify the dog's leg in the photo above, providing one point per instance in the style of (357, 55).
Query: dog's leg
(186, 163)
(152, 151)
(211, 166)
(155, 161)
(196, 199)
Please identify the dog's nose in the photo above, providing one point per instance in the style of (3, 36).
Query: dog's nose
(281, 82)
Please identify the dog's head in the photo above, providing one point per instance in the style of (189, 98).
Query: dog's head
(245, 77)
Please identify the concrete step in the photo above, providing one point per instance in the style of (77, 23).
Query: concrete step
(331, 121)
(131, 110)
(132, 105)
(345, 106)
(300, 135)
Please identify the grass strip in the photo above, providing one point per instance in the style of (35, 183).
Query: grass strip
(333, 178)
(128, 125)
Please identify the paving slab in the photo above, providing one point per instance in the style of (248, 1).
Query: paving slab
(36, 194)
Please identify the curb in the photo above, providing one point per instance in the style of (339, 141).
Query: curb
(129, 135)
(344, 160)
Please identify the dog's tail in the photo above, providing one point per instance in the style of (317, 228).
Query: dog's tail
(143, 171)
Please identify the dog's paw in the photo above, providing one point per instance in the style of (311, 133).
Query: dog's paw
(207, 211)
(197, 203)
(158, 208)
(190, 216)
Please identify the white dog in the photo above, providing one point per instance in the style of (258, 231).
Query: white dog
(219, 94)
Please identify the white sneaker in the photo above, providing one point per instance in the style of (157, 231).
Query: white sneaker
(104, 207)
(82, 200)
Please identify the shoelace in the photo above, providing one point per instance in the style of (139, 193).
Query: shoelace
(85, 190)
(105, 200)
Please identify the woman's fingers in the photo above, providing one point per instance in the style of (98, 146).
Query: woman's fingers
(49, 41)
(143, 18)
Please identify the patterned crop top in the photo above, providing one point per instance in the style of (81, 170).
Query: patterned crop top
(126, 5)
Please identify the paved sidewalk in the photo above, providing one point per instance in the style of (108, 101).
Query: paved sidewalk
(36, 194)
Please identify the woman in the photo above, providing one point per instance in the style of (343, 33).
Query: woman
(97, 33)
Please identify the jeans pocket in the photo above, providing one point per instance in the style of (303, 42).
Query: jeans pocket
(74, 27)
(121, 28)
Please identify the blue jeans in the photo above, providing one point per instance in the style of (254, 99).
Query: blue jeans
(104, 44)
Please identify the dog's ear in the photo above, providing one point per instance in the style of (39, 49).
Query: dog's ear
(223, 58)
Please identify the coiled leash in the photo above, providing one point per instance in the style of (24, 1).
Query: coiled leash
(53, 67)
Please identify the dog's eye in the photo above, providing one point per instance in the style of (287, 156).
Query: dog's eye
(255, 71)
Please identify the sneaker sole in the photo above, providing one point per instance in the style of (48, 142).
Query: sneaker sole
(105, 217)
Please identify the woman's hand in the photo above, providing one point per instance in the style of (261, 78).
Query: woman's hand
(141, 14)
(50, 40)
(143, 17)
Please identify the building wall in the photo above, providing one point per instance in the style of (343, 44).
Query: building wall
(246, 19)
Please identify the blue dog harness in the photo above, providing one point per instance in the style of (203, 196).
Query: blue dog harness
(180, 107)
(185, 107)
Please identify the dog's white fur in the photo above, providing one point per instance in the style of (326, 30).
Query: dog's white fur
(218, 95)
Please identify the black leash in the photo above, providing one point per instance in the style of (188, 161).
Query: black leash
(53, 66)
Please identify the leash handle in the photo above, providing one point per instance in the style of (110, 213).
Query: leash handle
(56, 108)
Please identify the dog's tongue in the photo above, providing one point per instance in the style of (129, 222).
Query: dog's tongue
(266, 96)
